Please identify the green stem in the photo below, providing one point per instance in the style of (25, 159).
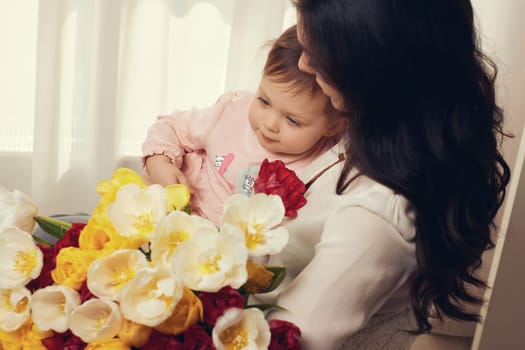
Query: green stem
(41, 240)
(54, 227)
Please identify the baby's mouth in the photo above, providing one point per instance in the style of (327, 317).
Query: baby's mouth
(267, 139)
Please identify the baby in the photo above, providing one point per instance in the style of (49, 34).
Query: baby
(217, 151)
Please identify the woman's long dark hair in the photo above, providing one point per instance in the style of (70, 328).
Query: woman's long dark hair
(423, 121)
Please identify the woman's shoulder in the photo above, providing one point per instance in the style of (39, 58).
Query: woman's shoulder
(363, 192)
(381, 200)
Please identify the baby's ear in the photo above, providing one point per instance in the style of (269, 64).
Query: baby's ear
(336, 126)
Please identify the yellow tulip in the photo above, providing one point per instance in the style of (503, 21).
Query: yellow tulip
(14, 340)
(108, 344)
(134, 334)
(71, 266)
(259, 278)
(99, 234)
(178, 196)
(33, 339)
(122, 176)
(27, 337)
(187, 312)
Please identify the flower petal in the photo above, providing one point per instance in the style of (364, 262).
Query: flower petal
(136, 211)
(151, 297)
(20, 259)
(258, 216)
(107, 276)
(17, 209)
(211, 260)
(96, 320)
(246, 329)
(178, 196)
(14, 308)
(174, 229)
(52, 306)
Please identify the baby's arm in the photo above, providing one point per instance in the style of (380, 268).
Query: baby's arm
(173, 136)
(159, 169)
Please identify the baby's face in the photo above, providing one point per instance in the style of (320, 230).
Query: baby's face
(287, 122)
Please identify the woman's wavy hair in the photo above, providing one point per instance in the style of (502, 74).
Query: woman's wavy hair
(423, 118)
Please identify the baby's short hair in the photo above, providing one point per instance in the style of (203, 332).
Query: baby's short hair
(281, 64)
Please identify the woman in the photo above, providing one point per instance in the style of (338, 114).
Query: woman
(398, 227)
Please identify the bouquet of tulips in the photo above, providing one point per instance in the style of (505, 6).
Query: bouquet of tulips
(142, 273)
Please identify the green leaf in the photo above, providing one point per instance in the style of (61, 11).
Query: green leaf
(264, 307)
(54, 227)
(41, 241)
(279, 272)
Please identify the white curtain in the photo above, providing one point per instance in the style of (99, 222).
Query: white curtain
(82, 80)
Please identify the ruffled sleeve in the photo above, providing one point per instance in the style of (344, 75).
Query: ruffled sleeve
(183, 131)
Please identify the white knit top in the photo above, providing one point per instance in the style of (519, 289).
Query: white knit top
(350, 260)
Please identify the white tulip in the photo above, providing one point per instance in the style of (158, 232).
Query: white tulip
(14, 308)
(137, 211)
(96, 320)
(20, 259)
(212, 260)
(241, 330)
(107, 276)
(51, 307)
(175, 228)
(151, 297)
(258, 216)
(17, 209)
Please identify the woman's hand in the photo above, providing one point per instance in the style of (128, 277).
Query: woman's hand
(160, 170)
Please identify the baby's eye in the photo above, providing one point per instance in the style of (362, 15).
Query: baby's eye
(292, 121)
(263, 101)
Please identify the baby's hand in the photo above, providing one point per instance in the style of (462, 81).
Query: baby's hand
(160, 170)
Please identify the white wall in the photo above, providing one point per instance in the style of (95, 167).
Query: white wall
(503, 28)
(505, 315)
